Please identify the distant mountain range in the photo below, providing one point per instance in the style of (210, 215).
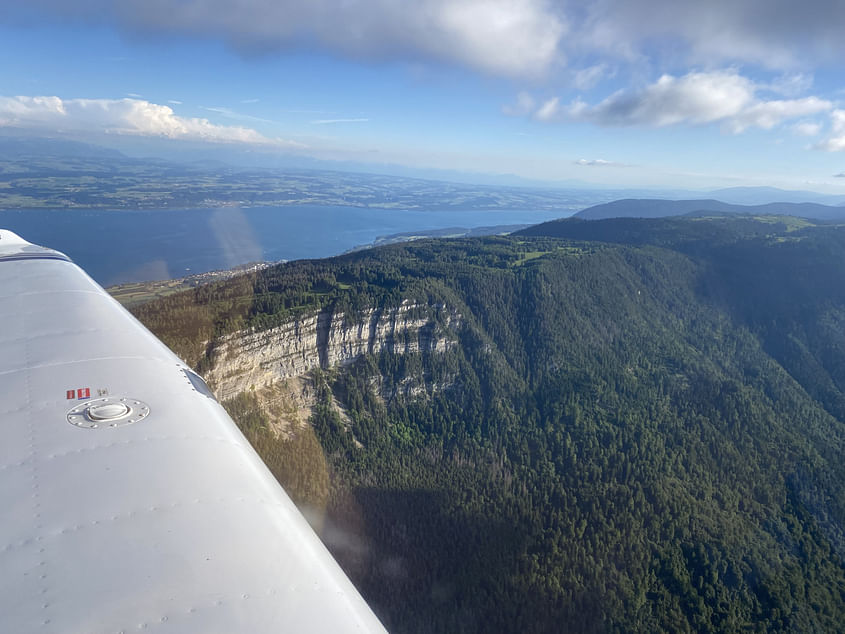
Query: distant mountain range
(17, 148)
(657, 208)
(762, 195)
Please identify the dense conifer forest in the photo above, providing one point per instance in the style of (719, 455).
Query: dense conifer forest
(640, 425)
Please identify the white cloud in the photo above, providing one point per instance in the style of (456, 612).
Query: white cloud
(509, 37)
(121, 116)
(694, 98)
(549, 110)
(524, 105)
(778, 34)
(836, 141)
(807, 128)
(587, 78)
(768, 114)
(513, 37)
(791, 85)
(598, 163)
(697, 98)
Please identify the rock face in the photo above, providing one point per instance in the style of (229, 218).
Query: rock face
(251, 360)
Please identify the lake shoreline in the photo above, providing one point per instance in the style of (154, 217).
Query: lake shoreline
(123, 246)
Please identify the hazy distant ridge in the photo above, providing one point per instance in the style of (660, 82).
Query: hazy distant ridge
(655, 208)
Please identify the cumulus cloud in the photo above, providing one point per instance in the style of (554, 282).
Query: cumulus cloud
(807, 128)
(524, 105)
(772, 33)
(121, 116)
(598, 163)
(791, 85)
(587, 78)
(510, 37)
(768, 114)
(549, 110)
(836, 141)
(696, 98)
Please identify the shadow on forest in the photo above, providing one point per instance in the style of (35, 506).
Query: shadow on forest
(415, 549)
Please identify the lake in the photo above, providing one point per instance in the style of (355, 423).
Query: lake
(133, 246)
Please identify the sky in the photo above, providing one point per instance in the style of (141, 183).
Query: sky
(617, 93)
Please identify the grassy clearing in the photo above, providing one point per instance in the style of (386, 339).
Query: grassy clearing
(138, 293)
(529, 256)
(791, 223)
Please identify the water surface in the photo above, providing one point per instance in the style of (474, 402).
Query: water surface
(130, 246)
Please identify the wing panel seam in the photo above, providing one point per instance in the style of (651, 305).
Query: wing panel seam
(139, 441)
(92, 360)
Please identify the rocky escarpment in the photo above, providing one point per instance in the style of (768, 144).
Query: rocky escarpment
(249, 360)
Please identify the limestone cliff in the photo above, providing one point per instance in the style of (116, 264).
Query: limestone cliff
(249, 360)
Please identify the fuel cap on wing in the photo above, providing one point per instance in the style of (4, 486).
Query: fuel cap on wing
(107, 411)
(111, 411)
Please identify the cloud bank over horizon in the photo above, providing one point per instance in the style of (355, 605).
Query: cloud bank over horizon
(133, 117)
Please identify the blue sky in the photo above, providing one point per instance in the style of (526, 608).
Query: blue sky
(634, 93)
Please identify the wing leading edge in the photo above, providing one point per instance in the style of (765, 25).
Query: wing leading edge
(130, 499)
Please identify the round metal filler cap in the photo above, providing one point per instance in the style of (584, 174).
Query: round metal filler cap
(111, 411)
(107, 411)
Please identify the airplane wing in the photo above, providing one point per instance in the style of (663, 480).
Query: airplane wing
(129, 500)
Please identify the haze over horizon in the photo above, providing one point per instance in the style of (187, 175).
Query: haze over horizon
(645, 93)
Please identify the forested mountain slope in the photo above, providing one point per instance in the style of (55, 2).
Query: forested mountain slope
(638, 425)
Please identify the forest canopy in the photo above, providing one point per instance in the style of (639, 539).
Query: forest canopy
(641, 427)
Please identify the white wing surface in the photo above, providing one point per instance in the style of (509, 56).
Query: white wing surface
(128, 498)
